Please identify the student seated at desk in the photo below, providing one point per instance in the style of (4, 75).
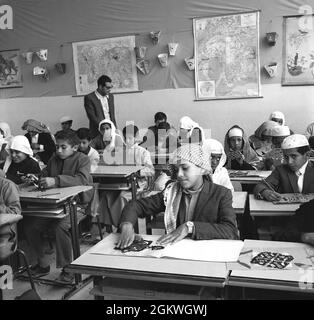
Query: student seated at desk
(112, 202)
(67, 168)
(40, 139)
(190, 132)
(5, 141)
(240, 155)
(66, 124)
(21, 161)
(194, 206)
(107, 139)
(300, 227)
(216, 154)
(275, 157)
(85, 140)
(296, 176)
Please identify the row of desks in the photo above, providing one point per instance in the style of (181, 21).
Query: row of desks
(198, 273)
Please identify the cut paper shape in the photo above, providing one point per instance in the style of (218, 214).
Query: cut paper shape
(272, 38)
(143, 66)
(155, 36)
(60, 67)
(172, 47)
(28, 56)
(271, 69)
(190, 62)
(42, 54)
(38, 71)
(140, 52)
(163, 59)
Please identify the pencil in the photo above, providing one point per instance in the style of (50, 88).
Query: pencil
(268, 185)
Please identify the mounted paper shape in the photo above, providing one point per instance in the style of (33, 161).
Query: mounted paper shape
(140, 52)
(271, 69)
(163, 59)
(60, 67)
(172, 47)
(38, 71)
(42, 54)
(28, 56)
(143, 66)
(155, 36)
(190, 62)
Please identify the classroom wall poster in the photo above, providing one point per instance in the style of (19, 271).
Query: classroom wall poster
(226, 50)
(10, 69)
(114, 57)
(298, 51)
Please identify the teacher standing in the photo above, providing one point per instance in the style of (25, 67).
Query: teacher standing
(99, 105)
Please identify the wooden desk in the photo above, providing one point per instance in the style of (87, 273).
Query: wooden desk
(288, 280)
(265, 208)
(53, 198)
(250, 177)
(126, 172)
(167, 270)
(239, 201)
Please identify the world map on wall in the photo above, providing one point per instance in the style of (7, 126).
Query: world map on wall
(226, 56)
(114, 57)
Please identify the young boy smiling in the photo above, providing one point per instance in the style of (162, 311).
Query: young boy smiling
(194, 206)
(295, 176)
(67, 168)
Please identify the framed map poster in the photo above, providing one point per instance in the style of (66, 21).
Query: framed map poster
(114, 57)
(10, 69)
(226, 51)
(298, 52)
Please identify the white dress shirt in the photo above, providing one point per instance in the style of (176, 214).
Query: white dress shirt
(104, 103)
(300, 176)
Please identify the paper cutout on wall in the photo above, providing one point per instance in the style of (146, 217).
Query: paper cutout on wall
(172, 47)
(155, 36)
(143, 66)
(190, 62)
(140, 52)
(42, 54)
(271, 69)
(38, 71)
(163, 59)
(60, 67)
(28, 56)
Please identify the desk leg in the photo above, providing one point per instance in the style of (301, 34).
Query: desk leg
(75, 235)
(133, 189)
(97, 283)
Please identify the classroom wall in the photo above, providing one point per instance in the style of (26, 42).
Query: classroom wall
(54, 24)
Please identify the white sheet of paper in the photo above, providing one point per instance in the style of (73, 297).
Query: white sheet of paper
(217, 250)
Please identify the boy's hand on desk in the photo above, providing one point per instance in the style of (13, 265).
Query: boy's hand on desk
(127, 235)
(47, 182)
(270, 195)
(180, 233)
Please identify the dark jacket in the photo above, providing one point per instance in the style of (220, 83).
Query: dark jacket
(95, 111)
(49, 146)
(214, 217)
(284, 180)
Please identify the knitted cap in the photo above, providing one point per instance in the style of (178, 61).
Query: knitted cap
(65, 119)
(294, 141)
(192, 153)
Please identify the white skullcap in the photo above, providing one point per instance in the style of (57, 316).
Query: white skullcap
(235, 132)
(21, 143)
(280, 131)
(65, 119)
(277, 115)
(294, 141)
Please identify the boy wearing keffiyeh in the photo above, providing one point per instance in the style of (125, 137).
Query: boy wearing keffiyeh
(194, 206)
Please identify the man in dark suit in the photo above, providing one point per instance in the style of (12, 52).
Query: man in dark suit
(296, 176)
(99, 105)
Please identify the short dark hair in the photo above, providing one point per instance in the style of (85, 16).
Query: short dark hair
(102, 80)
(303, 150)
(311, 142)
(84, 133)
(160, 116)
(69, 136)
(130, 128)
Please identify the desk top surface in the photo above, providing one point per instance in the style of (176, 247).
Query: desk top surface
(239, 199)
(247, 175)
(115, 171)
(267, 206)
(53, 195)
(149, 265)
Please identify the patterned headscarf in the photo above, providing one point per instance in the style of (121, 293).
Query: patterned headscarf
(35, 126)
(265, 128)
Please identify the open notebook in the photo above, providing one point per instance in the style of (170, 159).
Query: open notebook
(294, 198)
(200, 250)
